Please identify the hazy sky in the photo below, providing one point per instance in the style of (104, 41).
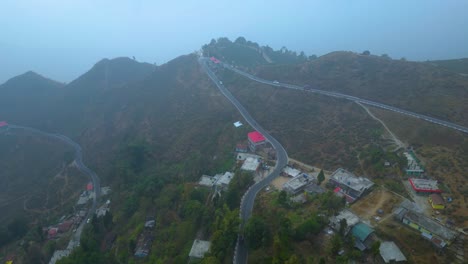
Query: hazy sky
(62, 39)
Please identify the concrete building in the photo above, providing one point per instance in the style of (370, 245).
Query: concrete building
(351, 186)
(256, 139)
(298, 183)
(351, 220)
(221, 180)
(290, 172)
(251, 164)
(431, 230)
(390, 252)
(436, 201)
(199, 248)
(414, 167)
(314, 189)
(424, 186)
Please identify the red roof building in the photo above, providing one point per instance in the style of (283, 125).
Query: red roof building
(215, 60)
(255, 139)
(65, 226)
(52, 233)
(89, 187)
(423, 185)
(3, 123)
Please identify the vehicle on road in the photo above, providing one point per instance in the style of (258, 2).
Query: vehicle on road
(275, 82)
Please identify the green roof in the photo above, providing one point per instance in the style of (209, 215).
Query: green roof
(361, 231)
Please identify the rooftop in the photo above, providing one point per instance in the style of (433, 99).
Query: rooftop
(256, 137)
(298, 182)
(238, 124)
(3, 123)
(199, 248)
(206, 180)
(390, 252)
(413, 163)
(225, 178)
(431, 226)
(437, 199)
(250, 164)
(350, 180)
(361, 231)
(291, 171)
(351, 219)
(423, 185)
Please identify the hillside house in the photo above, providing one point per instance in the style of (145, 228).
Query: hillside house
(298, 183)
(255, 139)
(424, 186)
(414, 167)
(221, 180)
(349, 185)
(351, 220)
(436, 201)
(291, 172)
(199, 249)
(251, 164)
(439, 235)
(363, 236)
(3, 124)
(390, 252)
(241, 147)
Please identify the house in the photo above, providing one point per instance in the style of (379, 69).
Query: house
(199, 248)
(220, 179)
(351, 186)
(424, 186)
(242, 148)
(225, 179)
(362, 233)
(439, 235)
(291, 172)
(251, 164)
(436, 201)
(256, 139)
(89, 187)
(390, 252)
(3, 124)
(65, 226)
(351, 220)
(298, 183)
(414, 166)
(52, 233)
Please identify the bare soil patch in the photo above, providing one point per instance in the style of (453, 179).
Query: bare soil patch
(367, 207)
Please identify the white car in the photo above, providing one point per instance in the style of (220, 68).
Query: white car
(275, 82)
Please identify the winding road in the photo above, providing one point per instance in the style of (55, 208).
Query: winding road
(351, 98)
(247, 202)
(74, 241)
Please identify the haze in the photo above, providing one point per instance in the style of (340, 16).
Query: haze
(63, 39)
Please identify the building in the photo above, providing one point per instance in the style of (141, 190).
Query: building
(362, 233)
(251, 164)
(291, 172)
(436, 201)
(298, 183)
(314, 189)
(199, 248)
(65, 226)
(144, 242)
(215, 60)
(256, 139)
(414, 167)
(3, 124)
(351, 186)
(390, 252)
(52, 233)
(431, 230)
(221, 180)
(242, 148)
(351, 220)
(89, 187)
(424, 186)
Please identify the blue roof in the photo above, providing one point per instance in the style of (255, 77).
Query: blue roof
(361, 231)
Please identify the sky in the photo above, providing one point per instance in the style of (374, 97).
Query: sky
(62, 39)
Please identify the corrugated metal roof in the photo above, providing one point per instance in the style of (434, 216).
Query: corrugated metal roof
(361, 231)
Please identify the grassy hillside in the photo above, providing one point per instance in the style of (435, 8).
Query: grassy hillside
(414, 86)
(458, 65)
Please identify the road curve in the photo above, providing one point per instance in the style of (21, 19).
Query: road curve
(247, 202)
(74, 241)
(351, 98)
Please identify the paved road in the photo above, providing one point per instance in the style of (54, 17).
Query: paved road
(74, 241)
(247, 202)
(352, 98)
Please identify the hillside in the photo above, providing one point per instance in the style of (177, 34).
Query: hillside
(415, 86)
(458, 65)
(28, 98)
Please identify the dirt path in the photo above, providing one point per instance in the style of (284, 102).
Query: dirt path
(397, 141)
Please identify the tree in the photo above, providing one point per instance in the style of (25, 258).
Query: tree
(256, 232)
(320, 177)
(375, 249)
(240, 40)
(292, 260)
(385, 56)
(366, 52)
(283, 198)
(343, 226)
(335, 244)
